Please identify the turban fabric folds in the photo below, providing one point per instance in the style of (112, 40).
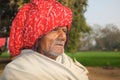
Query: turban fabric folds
(34, 19)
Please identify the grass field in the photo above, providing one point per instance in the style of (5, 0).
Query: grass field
(103, 59)
(5, 55)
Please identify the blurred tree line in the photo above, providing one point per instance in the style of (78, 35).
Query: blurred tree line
(105, 38)
(9, 8)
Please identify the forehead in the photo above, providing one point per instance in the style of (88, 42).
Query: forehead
(63, 27)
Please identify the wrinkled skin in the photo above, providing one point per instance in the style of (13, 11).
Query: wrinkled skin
(52, 44)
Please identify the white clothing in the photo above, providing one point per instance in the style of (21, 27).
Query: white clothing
(30, 65)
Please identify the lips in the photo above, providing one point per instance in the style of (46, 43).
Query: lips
(60, 44)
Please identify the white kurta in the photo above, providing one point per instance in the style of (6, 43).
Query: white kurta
(30, 65)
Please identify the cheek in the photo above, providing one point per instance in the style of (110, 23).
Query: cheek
(48, 44)
(57, 49)
(44, 44)
(50, 41)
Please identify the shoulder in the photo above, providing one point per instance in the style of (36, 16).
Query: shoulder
(24, 61)
(73, 63)
(22, 65)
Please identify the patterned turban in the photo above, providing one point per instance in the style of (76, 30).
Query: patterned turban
(35, 19)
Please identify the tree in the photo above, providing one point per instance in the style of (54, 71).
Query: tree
(8, 9)
(87, 41)
(108, 38)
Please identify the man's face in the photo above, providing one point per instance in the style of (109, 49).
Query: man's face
(52, 44)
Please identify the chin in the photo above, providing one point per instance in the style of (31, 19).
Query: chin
(56, 53)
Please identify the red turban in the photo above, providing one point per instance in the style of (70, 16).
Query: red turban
(35, 19)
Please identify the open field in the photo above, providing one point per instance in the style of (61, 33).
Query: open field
(5, 55)
(102, 59)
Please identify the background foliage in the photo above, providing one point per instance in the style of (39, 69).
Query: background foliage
(102, 38)
(78, 8)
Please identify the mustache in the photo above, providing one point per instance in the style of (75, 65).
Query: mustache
(60, 42)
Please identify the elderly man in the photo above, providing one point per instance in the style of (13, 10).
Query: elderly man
(37, 39)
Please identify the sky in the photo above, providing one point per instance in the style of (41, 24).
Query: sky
(103, 12)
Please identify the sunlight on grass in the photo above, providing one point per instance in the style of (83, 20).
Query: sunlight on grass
(98, 58)
(5, 55)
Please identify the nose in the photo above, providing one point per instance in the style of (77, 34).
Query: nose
(62, 35)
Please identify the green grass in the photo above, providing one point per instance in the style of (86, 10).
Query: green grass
(103, 59)
(5, 55)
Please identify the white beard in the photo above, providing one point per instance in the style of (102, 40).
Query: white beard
(55, 54)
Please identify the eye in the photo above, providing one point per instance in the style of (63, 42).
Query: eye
(56, 29)
(65, 30)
